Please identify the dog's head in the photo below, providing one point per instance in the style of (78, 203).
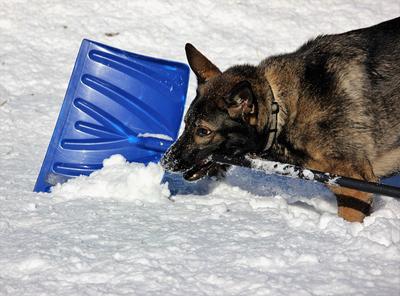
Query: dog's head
(226, 117)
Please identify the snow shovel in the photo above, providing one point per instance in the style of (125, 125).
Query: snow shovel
(117, 102)
(298, 172)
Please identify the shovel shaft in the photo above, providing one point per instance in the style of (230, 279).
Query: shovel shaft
(299, 172)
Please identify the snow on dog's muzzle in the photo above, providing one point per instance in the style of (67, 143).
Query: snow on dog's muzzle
(198, 171)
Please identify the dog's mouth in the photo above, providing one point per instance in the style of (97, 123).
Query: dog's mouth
(200, 170)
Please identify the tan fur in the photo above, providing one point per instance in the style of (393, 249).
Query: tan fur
(387, 163)
(362, 171)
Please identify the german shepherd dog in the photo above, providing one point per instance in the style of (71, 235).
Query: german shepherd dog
(333, 105)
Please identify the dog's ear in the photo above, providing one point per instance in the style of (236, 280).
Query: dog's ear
(200, 65)
(241, 102)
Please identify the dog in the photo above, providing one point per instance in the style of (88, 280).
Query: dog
(333, 105)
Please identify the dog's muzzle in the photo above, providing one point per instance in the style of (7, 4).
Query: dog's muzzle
(169, 162)
(196, 171)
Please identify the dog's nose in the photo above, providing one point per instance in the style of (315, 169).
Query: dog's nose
(168, 162)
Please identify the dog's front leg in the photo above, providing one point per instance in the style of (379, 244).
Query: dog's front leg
(353, 205)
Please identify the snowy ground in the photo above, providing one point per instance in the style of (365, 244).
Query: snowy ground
(119, 232)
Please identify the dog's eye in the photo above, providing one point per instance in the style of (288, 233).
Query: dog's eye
(203, 132)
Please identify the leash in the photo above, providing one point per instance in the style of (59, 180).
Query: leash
(301, 173)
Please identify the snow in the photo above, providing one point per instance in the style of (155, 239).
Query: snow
(118, 180)
(156, 136)
(121, 231)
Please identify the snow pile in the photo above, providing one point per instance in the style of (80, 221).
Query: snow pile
(118, 180)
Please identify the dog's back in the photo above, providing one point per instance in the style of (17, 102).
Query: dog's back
(383, 48)
(355, 77)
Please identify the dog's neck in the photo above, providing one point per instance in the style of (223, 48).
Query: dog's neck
(283, 93)
(271, 127)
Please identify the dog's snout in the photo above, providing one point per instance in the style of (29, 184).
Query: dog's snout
(168, 161)
(173, 160)
(164, 162)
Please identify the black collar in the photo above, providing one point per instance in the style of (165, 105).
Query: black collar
(272, 128)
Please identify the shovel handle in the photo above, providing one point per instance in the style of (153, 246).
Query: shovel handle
(302, 173)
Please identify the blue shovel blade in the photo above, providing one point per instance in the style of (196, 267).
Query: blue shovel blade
(117, 102)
